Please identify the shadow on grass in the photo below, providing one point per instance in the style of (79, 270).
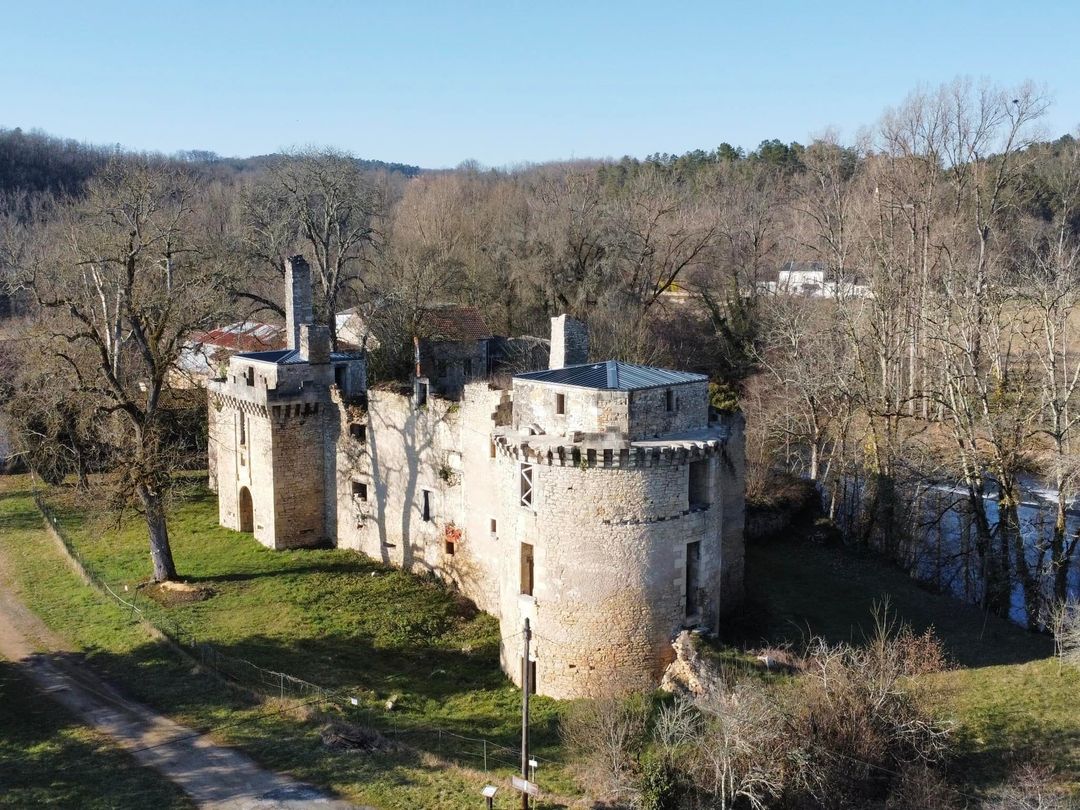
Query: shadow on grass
(485, 707)
(49, 758)
(798, 589)
(462, 692)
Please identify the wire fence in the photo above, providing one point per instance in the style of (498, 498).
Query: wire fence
(477, 752)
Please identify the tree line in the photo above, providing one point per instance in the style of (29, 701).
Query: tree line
(957, 373)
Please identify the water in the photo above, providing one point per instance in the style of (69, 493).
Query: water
(946, 556)
(941, 545)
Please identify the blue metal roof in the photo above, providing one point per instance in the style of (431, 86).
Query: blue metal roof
(612, 375)
(285, 357)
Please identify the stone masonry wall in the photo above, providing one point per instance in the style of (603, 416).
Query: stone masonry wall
(610, 552)
(586, 409)
(298, 476)
(649, 415)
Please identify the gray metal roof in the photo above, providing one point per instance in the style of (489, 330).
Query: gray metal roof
(286, 357)
(612, 375)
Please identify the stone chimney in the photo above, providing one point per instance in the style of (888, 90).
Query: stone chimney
(314, 343)
(297, 298)
(569, 342)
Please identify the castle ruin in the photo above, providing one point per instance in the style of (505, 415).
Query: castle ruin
(602, 501)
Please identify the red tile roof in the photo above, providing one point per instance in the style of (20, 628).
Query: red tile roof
(455, 322)
(247, 336)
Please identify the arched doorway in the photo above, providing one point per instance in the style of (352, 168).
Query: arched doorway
(247, 511)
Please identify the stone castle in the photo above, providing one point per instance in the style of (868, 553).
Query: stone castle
(602, 501)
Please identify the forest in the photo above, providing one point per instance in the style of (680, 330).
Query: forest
(931, 395)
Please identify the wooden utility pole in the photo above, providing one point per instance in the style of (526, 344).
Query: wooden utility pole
(525, 713)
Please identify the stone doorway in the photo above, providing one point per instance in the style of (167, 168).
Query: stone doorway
(247, 511)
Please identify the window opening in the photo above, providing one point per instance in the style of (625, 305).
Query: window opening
(698, 490)
(527, 569)
(693, 578)
(527, 485)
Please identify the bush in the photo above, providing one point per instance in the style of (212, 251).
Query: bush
(846, 730)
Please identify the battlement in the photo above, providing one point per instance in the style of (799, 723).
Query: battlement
(608, 452)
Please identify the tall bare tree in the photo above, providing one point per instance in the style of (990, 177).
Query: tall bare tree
(120, 281)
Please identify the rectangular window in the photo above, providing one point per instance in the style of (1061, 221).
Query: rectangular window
(450, 548)
(359, 433)
(359, 491)
(425, 505)
(527, 569)
(560, 404)
(527, 485)
(669, 400)
(341, 377)
(421, 393)
(693, 578)
(494, 526)
(249, 375)
(698, 491)
(243, 429)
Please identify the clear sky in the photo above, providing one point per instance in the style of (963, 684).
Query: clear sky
(504, 82)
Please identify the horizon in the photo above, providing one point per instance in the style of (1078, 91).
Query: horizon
(505, 85)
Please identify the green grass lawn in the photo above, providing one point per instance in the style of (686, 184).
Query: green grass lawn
(48, 757)
(294, 612)
(1011, 700)
(348, 623)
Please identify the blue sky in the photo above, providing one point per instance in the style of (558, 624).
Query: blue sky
(438, 83)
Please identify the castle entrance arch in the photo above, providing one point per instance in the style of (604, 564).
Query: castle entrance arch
(247, 511)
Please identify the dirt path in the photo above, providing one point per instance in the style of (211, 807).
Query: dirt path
(213, 775)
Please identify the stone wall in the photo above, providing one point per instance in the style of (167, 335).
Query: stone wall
(586, 409)
(609, 549)
(650, 417)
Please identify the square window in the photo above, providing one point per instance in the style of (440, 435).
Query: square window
(359, 490)
(358, 433)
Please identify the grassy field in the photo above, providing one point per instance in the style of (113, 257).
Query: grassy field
(47, 757)
(1011, 700)
(290, 611)
(348, 623)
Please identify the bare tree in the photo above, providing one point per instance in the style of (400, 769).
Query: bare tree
(321, 203)
(120, 283)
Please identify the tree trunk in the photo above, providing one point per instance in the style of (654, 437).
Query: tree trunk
(160, 551)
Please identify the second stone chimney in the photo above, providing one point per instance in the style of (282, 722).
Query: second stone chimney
(298, 309)
(314, 343)
(569, 342)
